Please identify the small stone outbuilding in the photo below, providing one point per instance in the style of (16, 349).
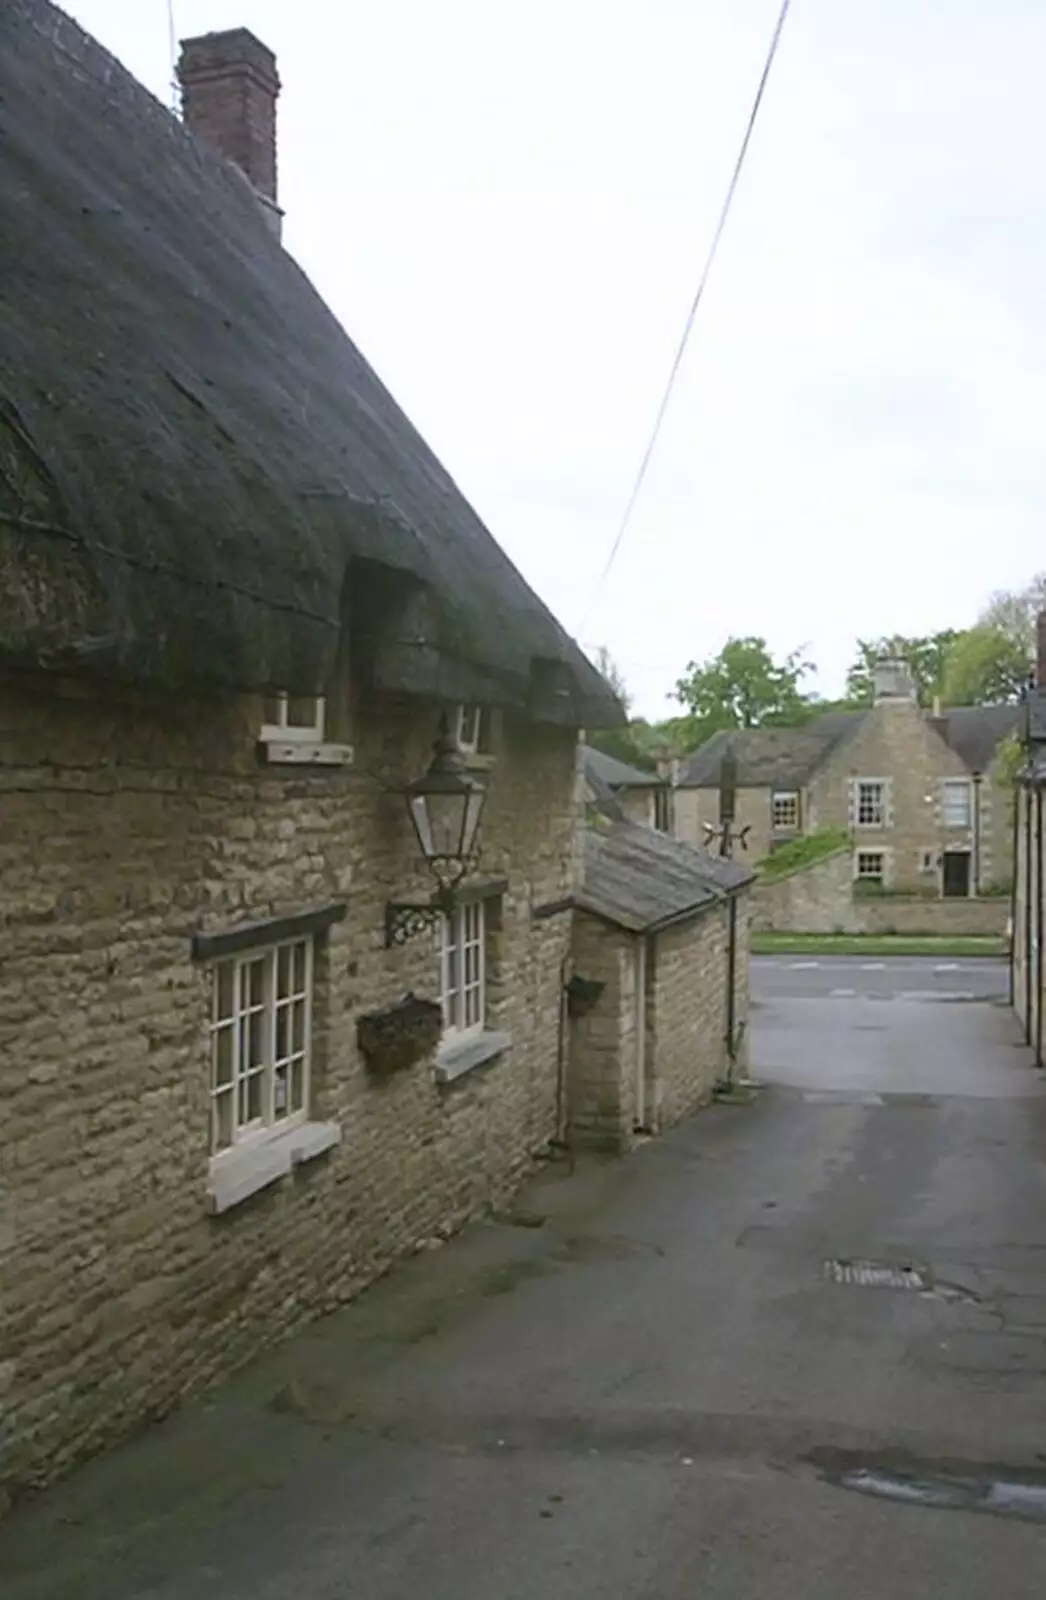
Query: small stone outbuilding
(659, 992)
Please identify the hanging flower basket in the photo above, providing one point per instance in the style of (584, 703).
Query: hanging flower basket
(399, 1036)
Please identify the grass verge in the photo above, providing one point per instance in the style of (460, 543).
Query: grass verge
(876, 944)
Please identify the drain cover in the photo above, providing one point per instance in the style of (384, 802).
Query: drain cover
(875, 1274)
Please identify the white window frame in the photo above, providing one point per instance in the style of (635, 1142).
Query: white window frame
(953, 785)
(871, 783)
(296, 732)
(235, 1022)
(463, 970)
(780, 797)
(470, 726)
(870, 877)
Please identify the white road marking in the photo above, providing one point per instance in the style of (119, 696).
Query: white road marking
(947, 966)
(937, 995)
(841, 994)
(873, 966)
(803, 966)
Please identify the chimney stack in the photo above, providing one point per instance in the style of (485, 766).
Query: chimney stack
(1040, 650)
(229, 87)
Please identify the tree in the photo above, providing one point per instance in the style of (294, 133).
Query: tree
(744, 687)
(925, 656)
(984, 666)
(630, 743)
(1013, 612)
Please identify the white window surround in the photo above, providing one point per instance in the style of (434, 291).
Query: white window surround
(871, 802)
(294, 733)
(956, 803)
(784, 808)
(473, 733)
(261, 1040)
(467, 1042)
(870, 866)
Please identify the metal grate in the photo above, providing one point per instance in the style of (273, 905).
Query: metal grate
(875, 1274)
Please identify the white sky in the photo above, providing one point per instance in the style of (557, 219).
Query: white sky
(508, 205)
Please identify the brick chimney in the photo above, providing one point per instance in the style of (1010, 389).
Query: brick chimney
(229, 87)
(1040, 650)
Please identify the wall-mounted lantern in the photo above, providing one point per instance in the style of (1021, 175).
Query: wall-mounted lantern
(445, 806)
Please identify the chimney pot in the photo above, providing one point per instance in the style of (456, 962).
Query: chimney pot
(229, 86)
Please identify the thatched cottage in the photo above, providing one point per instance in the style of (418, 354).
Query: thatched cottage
(271, 1009)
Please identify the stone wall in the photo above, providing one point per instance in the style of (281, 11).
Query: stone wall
(604, 1040)
(820, 899)
(129, 824)
(687, 1013)
(897, 742)
(693, 808)
(685, 1016)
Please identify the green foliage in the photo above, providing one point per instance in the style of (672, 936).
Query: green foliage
(804, 852)
(1013, 612)
(744, 687)
(985, 666)
(925, 656)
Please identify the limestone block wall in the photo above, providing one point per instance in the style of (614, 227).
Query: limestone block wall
(128, 824)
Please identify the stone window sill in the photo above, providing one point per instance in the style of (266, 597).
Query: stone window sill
(238, 1174)
(277, 751)
(456, 1057)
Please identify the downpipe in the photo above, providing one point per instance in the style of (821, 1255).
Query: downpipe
(1038, 927)
(1028, 882)
(1014, 870)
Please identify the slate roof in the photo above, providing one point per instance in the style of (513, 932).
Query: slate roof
(199, 471)
(781, 758)
(640, 880)
(617, 774)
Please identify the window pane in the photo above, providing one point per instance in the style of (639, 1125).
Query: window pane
(255, 982)
(283, 971)
(253, 1040)
(280, 1094)
(297, 1027)
(300, 964)
(224, 990)
(223, 1120)
(302, 711)
(282, 1033)
(223, 1054)
(251, 1097)
(297, 1075)
(272, 711)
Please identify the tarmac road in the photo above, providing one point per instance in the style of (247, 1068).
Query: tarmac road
(693, 1379)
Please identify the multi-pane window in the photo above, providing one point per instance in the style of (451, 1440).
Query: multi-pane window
(955, 802)
(463, 974)
(870, 866)
(663, 810)
(260, 1041)
(871, 802)
(293, 717)
(784, 809)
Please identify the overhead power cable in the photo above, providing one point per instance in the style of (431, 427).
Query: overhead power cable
(691, 315)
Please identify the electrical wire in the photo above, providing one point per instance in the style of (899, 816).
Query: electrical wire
(691, 316)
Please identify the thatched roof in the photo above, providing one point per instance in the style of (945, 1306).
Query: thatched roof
(199, 472)
(640, 880)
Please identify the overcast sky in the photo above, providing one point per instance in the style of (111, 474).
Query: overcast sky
(508, 206)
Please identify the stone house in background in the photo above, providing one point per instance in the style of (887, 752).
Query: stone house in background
(923, 795)
(643, 797)
(659, 992)
(1028, 909)
(249, 1056)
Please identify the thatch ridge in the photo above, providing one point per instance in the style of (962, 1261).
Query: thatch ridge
(196, 462)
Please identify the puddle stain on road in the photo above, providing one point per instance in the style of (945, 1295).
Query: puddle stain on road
(1000, 1497)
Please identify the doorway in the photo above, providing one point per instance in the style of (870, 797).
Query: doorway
(955, 874)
